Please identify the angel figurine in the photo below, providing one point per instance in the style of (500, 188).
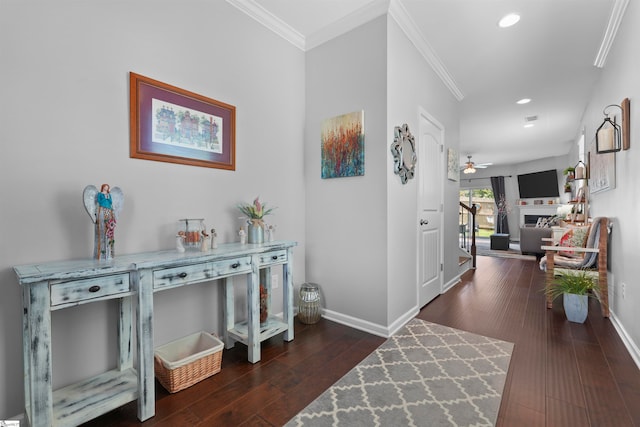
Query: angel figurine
(180, 241)
(204, 246)
(104, 208)
(214, 239)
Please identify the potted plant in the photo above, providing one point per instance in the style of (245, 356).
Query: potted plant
(255, 213)
(569, 172)
(574, 286)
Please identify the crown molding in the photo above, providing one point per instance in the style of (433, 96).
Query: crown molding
(617, 13)
(361, 16)
(272, 22)
(398, 12)
(372, 10)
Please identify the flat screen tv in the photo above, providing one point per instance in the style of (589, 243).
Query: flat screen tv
(539, 184)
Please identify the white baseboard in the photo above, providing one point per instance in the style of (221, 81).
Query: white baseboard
(451, 283)
(369, 327)
(380, 330)
(634, 351)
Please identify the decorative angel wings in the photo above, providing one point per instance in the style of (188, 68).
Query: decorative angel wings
(89, 196)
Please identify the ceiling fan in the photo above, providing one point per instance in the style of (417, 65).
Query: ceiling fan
(470, 167)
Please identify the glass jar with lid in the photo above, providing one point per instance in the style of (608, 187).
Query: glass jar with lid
(191, 229)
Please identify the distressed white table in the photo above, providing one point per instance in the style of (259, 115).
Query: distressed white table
(132, 279)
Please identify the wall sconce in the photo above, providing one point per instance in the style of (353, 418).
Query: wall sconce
(610, 136)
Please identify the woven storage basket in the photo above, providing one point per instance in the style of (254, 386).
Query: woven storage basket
(184, 362)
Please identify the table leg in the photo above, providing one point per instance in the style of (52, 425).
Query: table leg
(253, 311)
(287, 295)
(125, 334)
(143, 284)
(37, 347)
(229, 311)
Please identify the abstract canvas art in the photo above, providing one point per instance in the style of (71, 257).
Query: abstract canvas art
(343, 146)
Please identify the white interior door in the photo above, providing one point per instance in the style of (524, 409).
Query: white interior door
(429, 171)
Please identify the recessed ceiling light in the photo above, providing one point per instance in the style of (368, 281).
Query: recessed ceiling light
(529, 125)
(524, 101)
(509, 20)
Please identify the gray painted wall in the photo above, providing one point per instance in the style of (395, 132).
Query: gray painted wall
(412, 85)
(347, 217)
(65, 121)
(362, 231)
(618, 81)
(65, 125)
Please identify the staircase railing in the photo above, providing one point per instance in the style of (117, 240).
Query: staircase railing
(467, 221)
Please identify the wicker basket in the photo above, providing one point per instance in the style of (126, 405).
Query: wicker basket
(184, 362)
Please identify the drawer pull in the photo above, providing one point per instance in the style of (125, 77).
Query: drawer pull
(275, 257)
(182, 275)
(94, 288)
(235, 265)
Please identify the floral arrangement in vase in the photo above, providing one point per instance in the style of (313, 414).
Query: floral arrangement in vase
(255, 213)
(503, 210)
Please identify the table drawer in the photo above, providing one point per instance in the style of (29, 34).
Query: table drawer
(275, 257)
(88, 289)
(186, 274)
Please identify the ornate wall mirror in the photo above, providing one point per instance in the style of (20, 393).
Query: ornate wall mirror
(404, 153)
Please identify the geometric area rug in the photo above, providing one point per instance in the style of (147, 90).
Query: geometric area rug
(424, 375)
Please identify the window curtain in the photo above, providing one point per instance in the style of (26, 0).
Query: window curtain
(500, 198)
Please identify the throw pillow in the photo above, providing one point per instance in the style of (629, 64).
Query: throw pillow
(575, 237)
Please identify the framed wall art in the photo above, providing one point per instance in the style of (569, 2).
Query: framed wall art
(342, 150)
(169, 124)
(602, 170)
(453, 165)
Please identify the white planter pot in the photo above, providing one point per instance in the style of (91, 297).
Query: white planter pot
(576, 307)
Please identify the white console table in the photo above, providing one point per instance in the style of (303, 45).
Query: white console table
(132, 279)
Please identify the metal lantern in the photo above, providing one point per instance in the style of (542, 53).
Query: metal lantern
(609, 134)
(309, 307)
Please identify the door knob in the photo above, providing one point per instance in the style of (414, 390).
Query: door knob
(424, 222)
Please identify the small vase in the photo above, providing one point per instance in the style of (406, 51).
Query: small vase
(576, 307)
(255, 233)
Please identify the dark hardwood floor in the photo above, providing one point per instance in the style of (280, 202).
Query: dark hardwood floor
(561, 373)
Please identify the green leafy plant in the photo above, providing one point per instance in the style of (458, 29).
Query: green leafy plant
(572, 282)
(255, 210)
(569, 170)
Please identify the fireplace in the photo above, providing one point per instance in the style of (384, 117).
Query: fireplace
(533, 219)
(529, 214)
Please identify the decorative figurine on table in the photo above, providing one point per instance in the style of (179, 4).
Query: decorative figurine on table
(214, 240)
(180, 241)
(204, 246)
(243, 235)
(271, 231)
(104, 208)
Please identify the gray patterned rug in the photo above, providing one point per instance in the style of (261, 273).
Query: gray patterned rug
(424, 375)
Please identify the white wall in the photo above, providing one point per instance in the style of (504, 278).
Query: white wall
(618, 81)
(346, 217)
(412, 84)
(65, 121)
(362, 231)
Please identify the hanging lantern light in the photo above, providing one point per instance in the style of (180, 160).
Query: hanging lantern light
(609, 134)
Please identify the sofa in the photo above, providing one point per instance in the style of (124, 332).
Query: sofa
(531, 238)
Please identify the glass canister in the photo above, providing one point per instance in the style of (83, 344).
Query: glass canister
(309, 304)
(191, 229)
